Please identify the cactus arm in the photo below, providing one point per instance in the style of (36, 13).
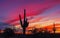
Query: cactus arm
(27, 21)
(20, 19)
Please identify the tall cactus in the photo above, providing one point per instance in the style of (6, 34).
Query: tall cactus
(25, 24)
(54, 29)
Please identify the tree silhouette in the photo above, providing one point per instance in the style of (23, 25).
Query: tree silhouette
(46, 31)
(34, 31)
(25, 24)
(41, 30)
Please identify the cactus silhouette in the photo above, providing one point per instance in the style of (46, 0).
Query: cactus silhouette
(54, 29)
(25, 22)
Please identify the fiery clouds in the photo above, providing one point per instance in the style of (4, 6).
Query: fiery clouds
(39, 12)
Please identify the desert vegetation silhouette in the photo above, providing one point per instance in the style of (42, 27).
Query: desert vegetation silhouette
(25, 24)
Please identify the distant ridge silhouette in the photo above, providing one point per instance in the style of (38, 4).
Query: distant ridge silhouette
(4, 25)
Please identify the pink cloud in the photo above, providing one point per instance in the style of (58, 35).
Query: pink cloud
(32, 9)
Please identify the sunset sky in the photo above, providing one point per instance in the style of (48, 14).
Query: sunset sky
(40, 13)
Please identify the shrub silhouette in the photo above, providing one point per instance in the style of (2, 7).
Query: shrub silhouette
(8, 32)
(34, 31)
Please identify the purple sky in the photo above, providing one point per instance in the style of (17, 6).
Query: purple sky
(43, 10)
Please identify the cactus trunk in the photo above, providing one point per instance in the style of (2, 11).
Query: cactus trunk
(24, 29)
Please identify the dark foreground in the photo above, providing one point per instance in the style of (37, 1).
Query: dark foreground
(9, 33)
(37, 35)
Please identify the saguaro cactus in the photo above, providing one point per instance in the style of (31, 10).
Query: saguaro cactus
(25, 22)
(54, 29)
